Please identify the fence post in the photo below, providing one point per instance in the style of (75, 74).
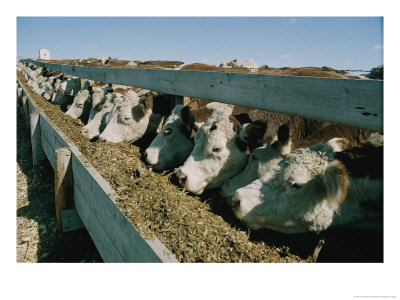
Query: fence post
(63, 183)
(25, 109)
(37, 150)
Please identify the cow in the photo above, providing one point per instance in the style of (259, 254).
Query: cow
(95, 126)
(66, 90)
(222, 141)
(98, 99)
(262, 158)
(317, 187)
(136, 116)
(105, 60)
(174, 142)
(81, 104)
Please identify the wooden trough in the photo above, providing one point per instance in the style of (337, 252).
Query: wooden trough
(115, 237)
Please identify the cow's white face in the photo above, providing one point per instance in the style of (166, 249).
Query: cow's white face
(300, 193)
(172, 144)
(215, 156)
(128, 122)
(81, 105)
(98, 97)
(93, 129)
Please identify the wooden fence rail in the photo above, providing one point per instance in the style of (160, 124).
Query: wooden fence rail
(346, 101)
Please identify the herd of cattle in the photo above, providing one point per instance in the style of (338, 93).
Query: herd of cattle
(276, 171)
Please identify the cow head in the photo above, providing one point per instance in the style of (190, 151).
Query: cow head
(174, 142)
(301, 193)
(219, 152)
(100, 120)
(81, 106)
(131, 120)
(172, 145)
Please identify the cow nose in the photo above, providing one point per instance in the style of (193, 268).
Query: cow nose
(145, 156)
(84, 131)
(182, 179)
(235, 203)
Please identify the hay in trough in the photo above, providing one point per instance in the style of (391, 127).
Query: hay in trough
(194, 229)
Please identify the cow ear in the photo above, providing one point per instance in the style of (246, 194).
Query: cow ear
(186, 116)
(335, 180)
(108, 90)
(283, 133)
(284, 142)
(141, 109)
(194, 104)
(253, 133)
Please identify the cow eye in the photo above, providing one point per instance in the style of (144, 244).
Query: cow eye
(294, 185)
(216, 149)
(79, 105)
(167, 131)
(127, 118)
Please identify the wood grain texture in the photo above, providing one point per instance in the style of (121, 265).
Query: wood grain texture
(346, 101)
(36, 143)
(63, 183)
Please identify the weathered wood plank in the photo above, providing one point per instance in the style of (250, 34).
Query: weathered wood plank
(104, 245)
(70, 220)
(49, 151)
(347, 101)
(31, 107)
(133, 247)
(63, 183)
(25, 107)
(51, 135)
(37, 150)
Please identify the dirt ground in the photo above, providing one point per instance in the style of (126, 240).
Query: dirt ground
(37, 237)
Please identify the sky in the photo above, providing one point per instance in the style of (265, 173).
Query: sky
(345, 43)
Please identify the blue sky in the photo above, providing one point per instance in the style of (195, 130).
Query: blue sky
(339, 42)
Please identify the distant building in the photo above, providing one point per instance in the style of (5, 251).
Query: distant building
(44, 54)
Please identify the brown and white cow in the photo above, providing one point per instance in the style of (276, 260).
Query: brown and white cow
(315, 188)
(222, 141)
(263, 158)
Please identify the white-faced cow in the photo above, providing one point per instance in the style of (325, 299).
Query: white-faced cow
(261, 159)
(68, 89)
(315, 188)
(98, 99)
(135, 117)
(80, 107)
(174, 142)
(96, 126)
(221, 143)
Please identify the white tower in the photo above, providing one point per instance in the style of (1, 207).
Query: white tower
(44, 54)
